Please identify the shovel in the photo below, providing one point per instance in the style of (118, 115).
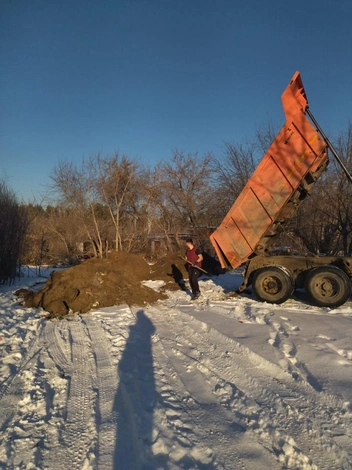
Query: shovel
(193, 266)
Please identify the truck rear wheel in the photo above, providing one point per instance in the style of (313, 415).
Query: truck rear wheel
(328, 286)
(272, 284)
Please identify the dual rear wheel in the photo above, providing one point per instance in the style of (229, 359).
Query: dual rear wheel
(326, 286)
(273, 284)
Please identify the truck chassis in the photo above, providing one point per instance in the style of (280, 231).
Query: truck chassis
(326, 279)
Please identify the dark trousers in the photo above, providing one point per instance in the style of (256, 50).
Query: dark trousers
(193, 275)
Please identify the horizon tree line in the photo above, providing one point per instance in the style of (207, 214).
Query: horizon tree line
(117, 203)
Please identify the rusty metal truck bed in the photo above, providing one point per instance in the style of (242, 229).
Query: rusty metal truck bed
(283, 178)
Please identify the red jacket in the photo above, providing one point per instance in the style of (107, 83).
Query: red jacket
(192, 256)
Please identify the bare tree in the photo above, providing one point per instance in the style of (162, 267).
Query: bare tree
(231, 172)
(104, 193)
(13, 226)
(339, 191)
(238, 162)
(36, 243)
(77, 190)
(315, 222)
(161, 215)
(184, 189)
(116, 180)
(264, 136)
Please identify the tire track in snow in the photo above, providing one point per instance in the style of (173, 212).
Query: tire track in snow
(235, 441)
(200, 419)
(159, 445)
(57, 348)
(106, 384)
(133, 399)
(279, 337)
(144, 440)
(315, 413)
(30, 391)
(12, 389)
(297, 431)
(78, 434)
(212, 423)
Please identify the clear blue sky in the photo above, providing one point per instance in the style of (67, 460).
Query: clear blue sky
(145, 77)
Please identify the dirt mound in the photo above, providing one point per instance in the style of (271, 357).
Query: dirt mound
(95, 283)
(106, 282)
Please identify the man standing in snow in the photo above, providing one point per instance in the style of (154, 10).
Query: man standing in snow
(194, 257)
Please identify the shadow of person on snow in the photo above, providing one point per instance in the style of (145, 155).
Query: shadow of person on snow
(135, 399)
(178, 277)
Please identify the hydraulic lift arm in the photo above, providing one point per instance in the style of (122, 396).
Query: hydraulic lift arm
(329, 144)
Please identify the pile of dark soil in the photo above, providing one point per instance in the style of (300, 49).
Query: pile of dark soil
(95, 283)
(106, 282)
(103, 283)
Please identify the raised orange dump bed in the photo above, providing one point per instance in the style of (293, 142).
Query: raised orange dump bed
(289, 169)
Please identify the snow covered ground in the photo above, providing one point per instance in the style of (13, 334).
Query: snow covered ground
(223, 383)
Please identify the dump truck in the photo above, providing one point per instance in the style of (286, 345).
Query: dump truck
(281, 182)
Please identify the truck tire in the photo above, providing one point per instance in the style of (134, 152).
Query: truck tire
(328, 286)
(273, 284)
